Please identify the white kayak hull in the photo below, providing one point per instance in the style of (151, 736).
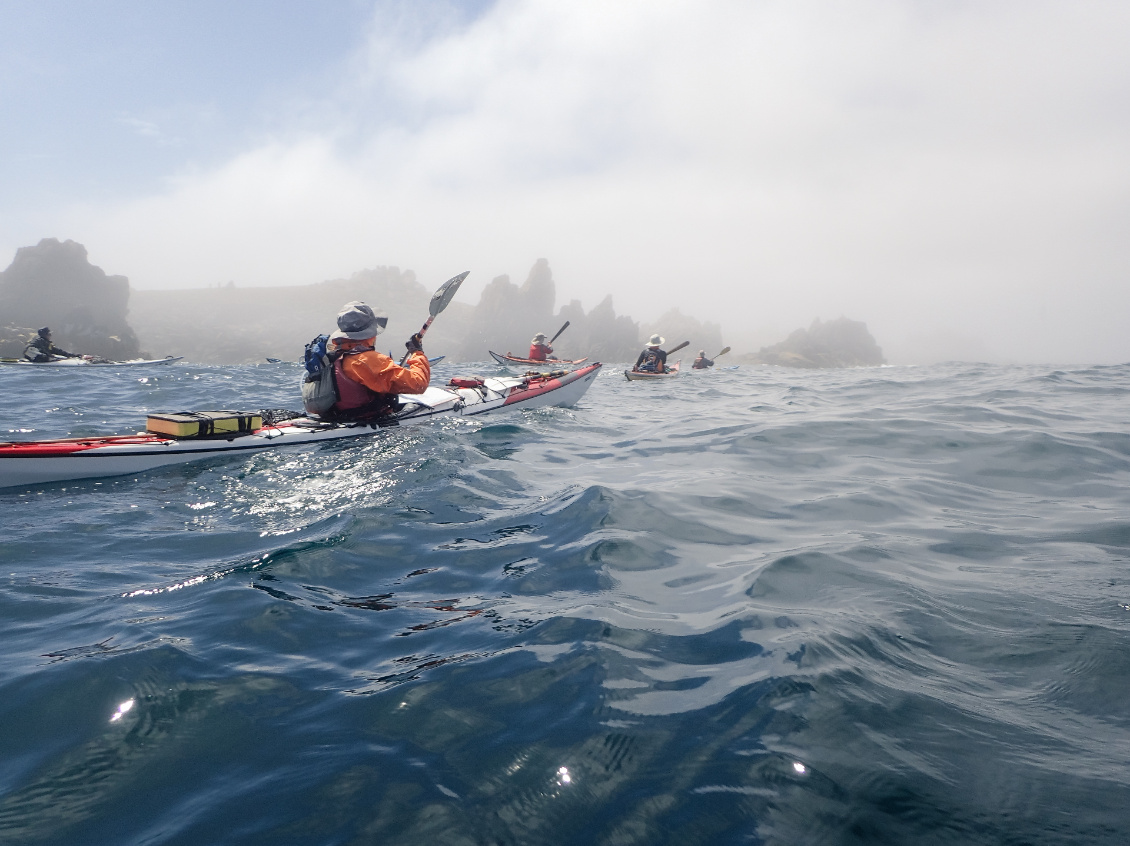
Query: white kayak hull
(71, 459)
(82, 362)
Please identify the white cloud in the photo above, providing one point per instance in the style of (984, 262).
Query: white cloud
(923, 167)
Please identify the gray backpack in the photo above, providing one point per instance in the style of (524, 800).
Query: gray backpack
(319, 385)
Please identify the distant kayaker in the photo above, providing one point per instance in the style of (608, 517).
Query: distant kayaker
(652, 359)
(41, 349)
(540, 350)
(702, 362)
(368, 381)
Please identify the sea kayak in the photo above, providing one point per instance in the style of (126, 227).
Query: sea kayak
(68, 459)
(512, 359)
(639, 376)
(90, 362)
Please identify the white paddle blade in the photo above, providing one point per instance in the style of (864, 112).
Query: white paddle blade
(446, 292)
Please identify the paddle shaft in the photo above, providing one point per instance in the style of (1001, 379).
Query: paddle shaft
(676, 349)
(559, 331)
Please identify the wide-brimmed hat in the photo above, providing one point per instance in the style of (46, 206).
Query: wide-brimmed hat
(357, 321)
(538, 338)
(44, 332)
(655, 340)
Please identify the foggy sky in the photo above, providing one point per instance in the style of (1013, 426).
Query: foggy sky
(956, 175)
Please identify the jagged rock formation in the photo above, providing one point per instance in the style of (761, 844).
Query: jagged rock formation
(598, 335)
(836, 343)
(54, 284)
(677, 327)
(507, 317)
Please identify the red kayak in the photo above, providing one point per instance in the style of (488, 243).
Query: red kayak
(513, 359)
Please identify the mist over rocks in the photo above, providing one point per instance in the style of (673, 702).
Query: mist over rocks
(54, 284)
(834, 343)
(233, 325)
(677, 327)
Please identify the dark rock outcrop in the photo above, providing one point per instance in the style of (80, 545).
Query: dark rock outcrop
(54, 284)
(836, 343)
(599, 335)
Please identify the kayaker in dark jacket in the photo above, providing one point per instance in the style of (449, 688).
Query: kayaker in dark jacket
(702, 362)
(368, 381)
(41, 349)
(652, 359)
(539, 349)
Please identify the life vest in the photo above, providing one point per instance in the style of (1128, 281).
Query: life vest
(539, 352)
(356, 401)
(652, 363)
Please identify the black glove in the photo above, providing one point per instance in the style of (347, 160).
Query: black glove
(414, 344)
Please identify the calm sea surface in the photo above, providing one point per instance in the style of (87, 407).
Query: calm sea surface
(747, 606)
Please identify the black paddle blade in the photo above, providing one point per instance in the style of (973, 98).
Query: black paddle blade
(446, 292)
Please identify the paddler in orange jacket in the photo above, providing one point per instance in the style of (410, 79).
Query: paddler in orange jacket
(368, 381)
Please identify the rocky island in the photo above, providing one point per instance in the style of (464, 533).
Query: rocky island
(835, 343)
(54, 284)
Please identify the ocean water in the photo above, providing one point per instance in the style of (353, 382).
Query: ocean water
(751, 606)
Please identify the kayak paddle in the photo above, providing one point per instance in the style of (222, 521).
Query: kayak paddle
(676, 349)
(559, 331)
(724, 351)
(443, 295)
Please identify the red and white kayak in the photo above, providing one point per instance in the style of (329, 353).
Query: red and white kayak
(642, 376)
(90, 361)
(68, 459)
(549, 362)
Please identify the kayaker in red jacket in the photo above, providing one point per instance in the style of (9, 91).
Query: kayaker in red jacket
(368, 381)
(702, 362)
(539, 349)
